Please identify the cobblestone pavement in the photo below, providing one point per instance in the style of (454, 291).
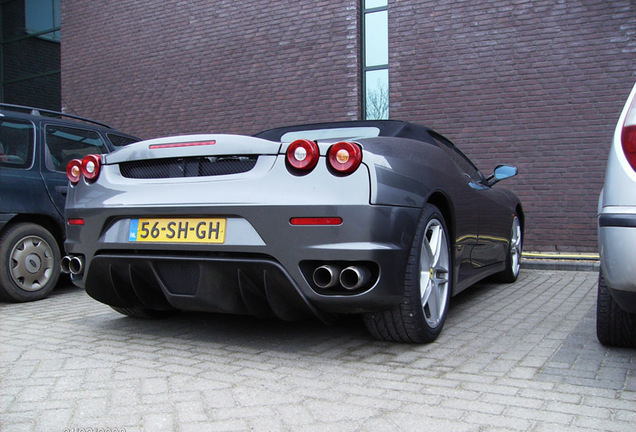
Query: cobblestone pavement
(511, 357)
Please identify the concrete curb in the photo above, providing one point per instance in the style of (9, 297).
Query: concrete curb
(560, 264)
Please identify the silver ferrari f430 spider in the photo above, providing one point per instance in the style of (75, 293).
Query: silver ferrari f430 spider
(386, 219)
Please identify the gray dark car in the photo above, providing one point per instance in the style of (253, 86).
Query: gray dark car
(616, 303)
(35, 148)
(386, 219)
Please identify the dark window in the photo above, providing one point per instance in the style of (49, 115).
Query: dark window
(16, 143)
(460, 159)
(119, 140)
(42, 18)
(30, 53)
(64, 144)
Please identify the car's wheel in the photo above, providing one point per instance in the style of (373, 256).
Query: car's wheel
(427, 286)
(136, 312)
(30, 263)
(513, 257)
(614, 326)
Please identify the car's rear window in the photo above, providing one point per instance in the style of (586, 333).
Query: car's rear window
(332, 134)
(16, 143)
(64, 144)
(356, 129)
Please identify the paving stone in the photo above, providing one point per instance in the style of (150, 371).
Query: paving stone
(511, 357)
(552, 417)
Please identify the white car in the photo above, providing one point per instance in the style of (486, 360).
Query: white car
(616, 304)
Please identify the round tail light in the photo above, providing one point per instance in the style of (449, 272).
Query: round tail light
(344, 157)
(90, 167)
(303, 154)
(628, 134)
(74, 171)
(628, 139)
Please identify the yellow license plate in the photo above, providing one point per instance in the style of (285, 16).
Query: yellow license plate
(178, 230)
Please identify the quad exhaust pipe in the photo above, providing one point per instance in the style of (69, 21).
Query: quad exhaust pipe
(326, 276)
(72, 264)
(351, 278)
(354, 277)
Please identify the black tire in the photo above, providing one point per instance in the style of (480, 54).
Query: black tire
(145, 313)
(417, 320)
(614, 326)
(30, 263)
(513, 257)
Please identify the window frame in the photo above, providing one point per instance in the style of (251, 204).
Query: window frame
(366, 69)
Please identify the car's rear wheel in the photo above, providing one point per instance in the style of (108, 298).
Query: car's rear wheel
(143, 313)
(513, 257)
(427, 286)
(30, 263)
(614, 326)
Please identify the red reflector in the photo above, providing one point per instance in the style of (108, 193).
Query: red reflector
(316, 221)
(185, 144)
(76, 221)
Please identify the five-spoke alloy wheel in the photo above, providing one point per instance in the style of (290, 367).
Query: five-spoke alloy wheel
(434, 273)
(427, 286)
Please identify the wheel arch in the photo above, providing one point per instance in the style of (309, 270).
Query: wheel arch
(522, 220)
(443, 203)
(521, 215)
(47, 222)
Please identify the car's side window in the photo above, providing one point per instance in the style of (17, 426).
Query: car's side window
(16, 143)
(63, 144)
(119, 140)
(459, 158)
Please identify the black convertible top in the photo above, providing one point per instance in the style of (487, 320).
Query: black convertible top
(387, 128)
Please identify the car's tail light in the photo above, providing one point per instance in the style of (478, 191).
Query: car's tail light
(74, 171)
(628, 135)
(181, 144)
(303, 154)
(90, 167)
(344, 157)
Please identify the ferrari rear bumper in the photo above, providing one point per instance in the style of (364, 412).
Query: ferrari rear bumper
(266, 271)
(251, 286)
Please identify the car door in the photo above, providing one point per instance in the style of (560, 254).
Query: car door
(494, 228)
(63, 143)
(494, 220)
(467, 209)
(489, 207)
(22, 191)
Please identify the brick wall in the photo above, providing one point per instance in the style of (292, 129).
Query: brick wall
(538, 84)
(154, 68)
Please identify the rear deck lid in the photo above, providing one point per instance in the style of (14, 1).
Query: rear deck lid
(191, 146)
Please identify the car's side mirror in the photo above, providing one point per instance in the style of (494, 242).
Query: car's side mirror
(502, 172)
